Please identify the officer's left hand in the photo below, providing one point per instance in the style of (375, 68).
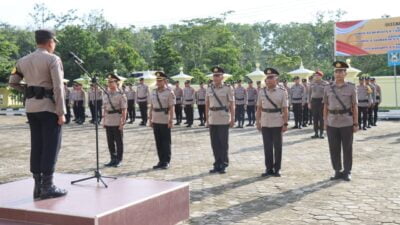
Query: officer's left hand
(232, 124)
(170, 125)
(121, 126)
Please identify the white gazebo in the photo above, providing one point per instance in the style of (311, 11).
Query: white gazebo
(256, 75)
(181, 77)
(302, 72)
(149, 78)
(351, 72)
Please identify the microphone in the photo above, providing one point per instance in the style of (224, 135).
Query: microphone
(76, 58)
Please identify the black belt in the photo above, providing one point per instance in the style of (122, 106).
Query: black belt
(319, 99)
(378, 97)
(251, 100)
(188, 100)
(114, 111)
(201, 99)
(239, 99)
(218, 108)
(142, 97)
(361, 101)
(272, 110)
(39, 93)
(339, 111)
(296, 98)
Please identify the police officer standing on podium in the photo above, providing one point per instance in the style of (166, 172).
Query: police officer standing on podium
(45, 107)
(272, 118)
(220, 115)
(341, 117)
(161, 120)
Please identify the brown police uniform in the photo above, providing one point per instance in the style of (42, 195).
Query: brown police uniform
(340, 123)
(364, 102)
(143, 95)
(188, 101)
(131, 96)
(316, 95)
(201, 104)
(178, 106)
(114, 102)
(161, 102)
(219, 117)
(240, 102)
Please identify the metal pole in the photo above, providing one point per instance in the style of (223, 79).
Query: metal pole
(395, 84)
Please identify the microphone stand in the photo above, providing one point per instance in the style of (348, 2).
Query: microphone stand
(97, 175)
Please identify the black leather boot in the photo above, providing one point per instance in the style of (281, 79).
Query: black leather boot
(38, 183)
(49, 190)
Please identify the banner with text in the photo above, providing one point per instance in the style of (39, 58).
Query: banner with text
(367, 37)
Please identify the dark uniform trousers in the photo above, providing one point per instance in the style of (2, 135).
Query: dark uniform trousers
(143, 111)
(189, 114)
(93, 110)
(305, 114)
(219, 135)
(202, 113)
(75, 111)
(272, 139)
(68, 115)
(162, 135)
(114, 139)
(375, 109)
(297, 111)
(251, 114)
(370, 116)
(46, 141)
(178, 113)
(317, 108)
(80, 111)
(131, 110)
(341, 138)
(240, 114)
(362, 111)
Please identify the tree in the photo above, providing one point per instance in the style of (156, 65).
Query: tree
(166, 57)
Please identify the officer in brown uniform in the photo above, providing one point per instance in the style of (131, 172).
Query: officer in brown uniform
(378, 98)
(79, 102)
(341, 117)
(67, 102)
(143, 94)
(220, 114)
(178, 91)
(373, 96)
(188, 101)
(364, 102)
(131, 96)
(161, 120)
(95, 97)
(114, 111)
(201, 103)
(297, 100)
(305, 105)
(316, 104)
(45, 109)
(241, 102)
(272, 118)
(251, 104)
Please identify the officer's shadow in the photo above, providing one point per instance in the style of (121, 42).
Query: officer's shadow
(263, 204)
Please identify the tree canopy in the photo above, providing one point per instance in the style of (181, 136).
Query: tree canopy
(196, 45)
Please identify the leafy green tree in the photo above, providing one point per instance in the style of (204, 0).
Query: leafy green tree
(166, 57)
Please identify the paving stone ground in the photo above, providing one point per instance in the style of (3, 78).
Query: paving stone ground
(303, 195)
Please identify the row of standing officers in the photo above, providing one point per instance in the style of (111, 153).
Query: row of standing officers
(46, 107)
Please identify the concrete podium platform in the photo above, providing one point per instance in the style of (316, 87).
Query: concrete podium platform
(125, 202)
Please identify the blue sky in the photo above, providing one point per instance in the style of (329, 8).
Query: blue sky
(153, 12)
